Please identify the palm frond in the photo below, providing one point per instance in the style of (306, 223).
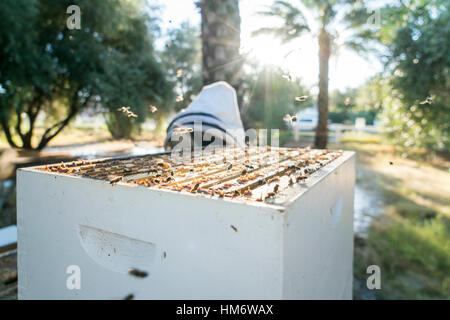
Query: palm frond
(294, 22)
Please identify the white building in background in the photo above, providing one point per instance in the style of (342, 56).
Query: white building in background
(307, 119)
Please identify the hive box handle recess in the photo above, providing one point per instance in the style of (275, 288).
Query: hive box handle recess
(116, 252)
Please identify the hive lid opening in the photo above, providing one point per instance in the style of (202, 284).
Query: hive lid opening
(259, 174)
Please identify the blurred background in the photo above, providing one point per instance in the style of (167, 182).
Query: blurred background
(370, 76)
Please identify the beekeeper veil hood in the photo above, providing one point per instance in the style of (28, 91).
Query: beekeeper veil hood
(215, 112)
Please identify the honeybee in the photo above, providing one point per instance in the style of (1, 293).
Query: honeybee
(153, 109)
(273, 180)
(428, 100)
(301, 99)
(115, 180)
(163, 164)
(179, 72)
(124, 109)
(276, 188)
(289, 118)
(270, 195)
(138, 273)
(127, 112)
(195, 187)
(248, 192)
(234, 228)
(131, 114)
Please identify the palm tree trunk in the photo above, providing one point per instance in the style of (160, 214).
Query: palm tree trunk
(220, 33)
(324, 57)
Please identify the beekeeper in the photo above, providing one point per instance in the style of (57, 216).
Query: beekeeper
(213, 117)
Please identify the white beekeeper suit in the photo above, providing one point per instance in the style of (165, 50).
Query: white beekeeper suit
(216, 109)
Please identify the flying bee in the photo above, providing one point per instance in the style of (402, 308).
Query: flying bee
(234, 228)
(287, 77)
(391, 163)
(289, 118)
(129, 297)
(301, 99)
(153, 109)
(347, 101)
(179, 72)
(124, 109)
(292, 32)
(428, 100)
(131, 114)
(138, 273)
(179, 98)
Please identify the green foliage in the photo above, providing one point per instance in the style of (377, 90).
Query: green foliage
(420, 54)
(57, 72)
(413, 257)
(272, 97)
(364, 102)
(415, 35)
(183, 53)
(294, 22)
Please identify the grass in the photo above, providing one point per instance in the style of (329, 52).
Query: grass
(83, 135)
(410, 241)
(413, 257)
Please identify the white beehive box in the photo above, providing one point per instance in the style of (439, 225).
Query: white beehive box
(191, 246)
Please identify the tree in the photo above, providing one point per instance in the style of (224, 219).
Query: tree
(295, 24)
(132, 75)
(182, 62)
(271, 99)
(51, 70)
(419, 63)
(220, 34)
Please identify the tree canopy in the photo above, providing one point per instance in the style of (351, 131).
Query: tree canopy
(47, 68)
